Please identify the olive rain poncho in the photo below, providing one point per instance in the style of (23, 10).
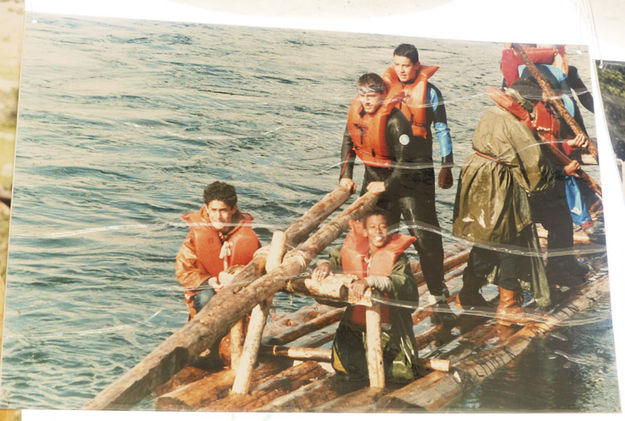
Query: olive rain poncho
(492, 203)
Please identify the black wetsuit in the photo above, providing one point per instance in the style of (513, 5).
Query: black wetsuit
(409, 192)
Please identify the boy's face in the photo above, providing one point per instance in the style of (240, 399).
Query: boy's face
(371, 101)
(220, 215)
(406, 70)
(376, 231)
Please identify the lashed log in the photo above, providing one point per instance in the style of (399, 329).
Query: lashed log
(557, 102)
(250, 350)
(213, 387)
(314, 394)
(271, 388)
(257, 321)
(222, 311)
(298, 353)
(375, 363)
(552, 97)
(438, 389)
(305, 328)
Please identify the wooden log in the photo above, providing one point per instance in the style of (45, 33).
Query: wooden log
(185, 376)
(298, 353)
(552, 97)
(271, 388)
(557, 102)
(276, 251)
(250, 350)
(312, 395)
(300, 229)
(438, 389)
(214, 387)
(236, 343)
(280, 322)
(302, 329)
(221, 312)
(438, 364)
(258, 319)
(375, 363)
(334, 287)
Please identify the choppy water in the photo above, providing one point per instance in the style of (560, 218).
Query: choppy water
(123, 123)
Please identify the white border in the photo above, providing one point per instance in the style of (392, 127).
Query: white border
(554, 21)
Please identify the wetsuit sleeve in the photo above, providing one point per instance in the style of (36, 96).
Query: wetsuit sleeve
(435, 100)
(347, 156)
(403, 281)
(401, 141)
(582, 92)
(189, 272)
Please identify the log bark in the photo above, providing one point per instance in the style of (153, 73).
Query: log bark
(221, 312)
(213, 387)
(236, 343)
(563, 112)
(302, 329)
(250, 349)
(308, 397)
(375, 364)
(271, 388)
(298, 353)
(249, 353)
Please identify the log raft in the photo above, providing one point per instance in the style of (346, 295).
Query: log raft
(293, 373)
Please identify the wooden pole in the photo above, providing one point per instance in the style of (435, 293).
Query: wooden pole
(222, 311)
(276, 251)
(552, 97)
(258, 319)
(299, 353)
(250, 350)
(375, 364)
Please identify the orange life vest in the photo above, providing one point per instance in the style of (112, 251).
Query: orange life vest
(544, 123)
(242, 240)
(413, 103)
(368, 132)
(355, 260)
(510, 61)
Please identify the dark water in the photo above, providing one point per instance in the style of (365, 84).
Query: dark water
(123, 123)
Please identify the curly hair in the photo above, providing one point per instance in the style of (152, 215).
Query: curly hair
(220, 191)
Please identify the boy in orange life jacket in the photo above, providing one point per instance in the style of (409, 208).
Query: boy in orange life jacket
(219, 238)
(400, 165)
(377, 258)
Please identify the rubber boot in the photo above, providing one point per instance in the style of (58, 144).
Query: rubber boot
(469, 296)
(509, 310)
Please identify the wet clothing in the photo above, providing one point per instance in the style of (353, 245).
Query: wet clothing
(434, 106)
(409, 184)
(492, 207)
(398, 341)
(206, 252)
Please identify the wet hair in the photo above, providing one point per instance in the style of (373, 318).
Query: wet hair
(371, 82)
(375, 211)
(407, 50)
(528, 89)
(220, 191)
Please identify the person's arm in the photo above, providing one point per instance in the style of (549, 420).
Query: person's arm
(348, 157)
(189, 272)
(327, 267)
(403, 281)
(582, 92)
(435, 99)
